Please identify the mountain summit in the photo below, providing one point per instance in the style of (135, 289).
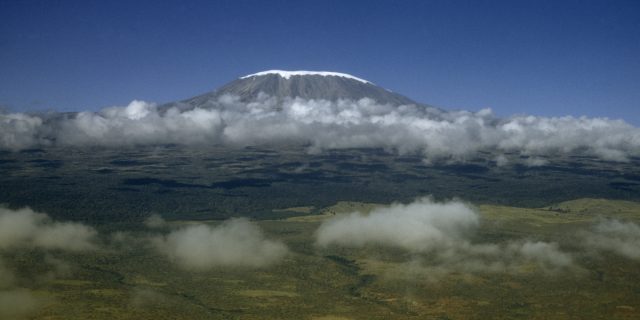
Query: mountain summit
(317, 85)
(289, 74)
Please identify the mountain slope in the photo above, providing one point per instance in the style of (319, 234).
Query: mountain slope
(295, 84)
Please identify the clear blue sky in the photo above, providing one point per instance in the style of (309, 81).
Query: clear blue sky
(534, 57)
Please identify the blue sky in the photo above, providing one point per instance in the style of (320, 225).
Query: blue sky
(549, 58)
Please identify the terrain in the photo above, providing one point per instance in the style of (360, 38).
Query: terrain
(102, 185)
(126, 279)
(305, 85)
(316, 195)
(289, 194)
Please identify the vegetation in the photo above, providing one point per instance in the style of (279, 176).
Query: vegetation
(127, 279)
(290, 194)
(100, 186)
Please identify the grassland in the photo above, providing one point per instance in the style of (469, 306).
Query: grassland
(290, 193)
(126, 279)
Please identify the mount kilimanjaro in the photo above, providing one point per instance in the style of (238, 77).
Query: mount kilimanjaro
(316, 85)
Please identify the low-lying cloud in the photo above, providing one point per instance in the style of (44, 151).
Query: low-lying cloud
(323, 124)
(6, 276)
(439, 237)
(147, 298)
(15, 303)
(234, 243)
(417, 227)
(622, 238)
(155, 221)
(27, 228)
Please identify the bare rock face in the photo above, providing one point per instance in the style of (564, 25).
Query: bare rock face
(317, 85)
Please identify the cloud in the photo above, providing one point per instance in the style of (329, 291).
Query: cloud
(438, 235)
(417, 227)
(145, 297)
(27, 228)
(139, 123)
(622, 238)
(546, 255)
(516, 257)
(6, 276)
(501, 160)
(535, 162)
(155, 221)
(323, 124)
(19, 131)
(236, 242)
(17, 303)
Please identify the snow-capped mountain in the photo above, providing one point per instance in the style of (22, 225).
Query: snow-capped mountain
(295, 84)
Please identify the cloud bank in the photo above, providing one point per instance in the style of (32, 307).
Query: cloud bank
(438, 235)
(234, 243)
(27, 228)
(322, 125)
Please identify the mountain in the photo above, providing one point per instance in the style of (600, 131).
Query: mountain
(291, 84)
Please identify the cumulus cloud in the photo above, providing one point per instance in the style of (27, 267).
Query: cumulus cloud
(323, 124)
(139, 123)
(441, 232)
(17, 302)
(25, 227)
(418, 227)
(19, 131)
(620, 237)
(236, 242)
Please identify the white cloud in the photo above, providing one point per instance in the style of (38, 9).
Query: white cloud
(535, 162)
(442, 232)
(329, 125)
(25, 227)
(236, 242)
(620, 237)
(15, 303)
(546, 254)
(139, 123)
(19, 131)
(417, 227)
